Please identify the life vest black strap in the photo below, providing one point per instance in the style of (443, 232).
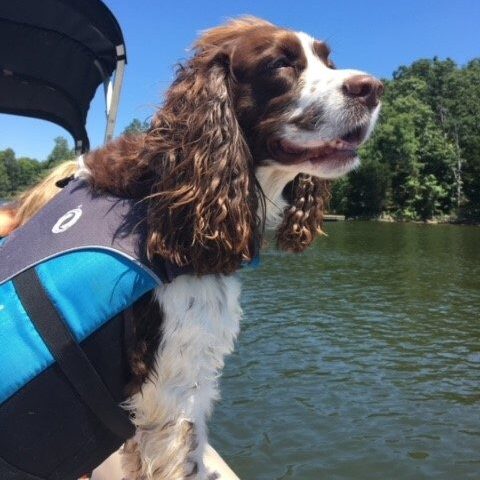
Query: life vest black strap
(70, 357)
(128, 328)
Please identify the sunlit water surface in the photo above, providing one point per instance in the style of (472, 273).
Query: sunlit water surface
(359, 359)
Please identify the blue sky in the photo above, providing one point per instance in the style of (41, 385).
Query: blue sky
(371, 35)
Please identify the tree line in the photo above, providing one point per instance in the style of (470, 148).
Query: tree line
(422, 162)
(17, 174)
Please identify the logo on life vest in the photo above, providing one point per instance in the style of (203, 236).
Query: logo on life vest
(68, 220)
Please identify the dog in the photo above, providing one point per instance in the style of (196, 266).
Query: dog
(254, 127)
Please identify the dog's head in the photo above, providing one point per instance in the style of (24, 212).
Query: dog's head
(295, 108)
(302, 118)
(255, 124)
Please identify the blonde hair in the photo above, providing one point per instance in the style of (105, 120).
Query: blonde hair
(7, 219)
(35, 198)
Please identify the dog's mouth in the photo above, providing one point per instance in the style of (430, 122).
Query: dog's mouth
(343, 148)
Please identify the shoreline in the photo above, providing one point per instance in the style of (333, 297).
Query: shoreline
(390, 219)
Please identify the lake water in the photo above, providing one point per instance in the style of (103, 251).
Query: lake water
(359, 359)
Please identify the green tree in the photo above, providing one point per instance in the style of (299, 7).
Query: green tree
(424, 156)
(366, 190)
(17, 174)
(465, 130)
(29, 172)
(454, 96)
(60, 153)
(4, 179)
(136, 126)
(12, 170)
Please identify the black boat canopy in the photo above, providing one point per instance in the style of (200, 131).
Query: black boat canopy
(53, 56)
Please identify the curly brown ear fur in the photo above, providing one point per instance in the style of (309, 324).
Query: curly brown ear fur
(302, 220)
(196, 169)
(202, 208)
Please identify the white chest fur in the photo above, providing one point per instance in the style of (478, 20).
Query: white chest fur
(200, 324)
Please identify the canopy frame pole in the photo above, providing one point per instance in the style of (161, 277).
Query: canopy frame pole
(79, 147)
(112, 95)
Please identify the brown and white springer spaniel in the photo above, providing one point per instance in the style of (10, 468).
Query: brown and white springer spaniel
(253, 128)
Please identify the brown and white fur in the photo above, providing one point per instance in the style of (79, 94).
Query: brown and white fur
(253, 128)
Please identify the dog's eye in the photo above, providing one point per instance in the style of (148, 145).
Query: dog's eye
(279, 63)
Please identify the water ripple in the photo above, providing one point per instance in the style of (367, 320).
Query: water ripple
(359, 359)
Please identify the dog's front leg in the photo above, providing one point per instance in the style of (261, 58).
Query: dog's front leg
(161, 453)
(200, 324)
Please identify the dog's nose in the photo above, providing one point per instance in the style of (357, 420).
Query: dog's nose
(365, 88)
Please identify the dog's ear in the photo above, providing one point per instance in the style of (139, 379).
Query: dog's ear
(202, 210)
(302, 219)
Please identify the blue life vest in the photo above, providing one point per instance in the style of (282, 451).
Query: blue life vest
(67, 279)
